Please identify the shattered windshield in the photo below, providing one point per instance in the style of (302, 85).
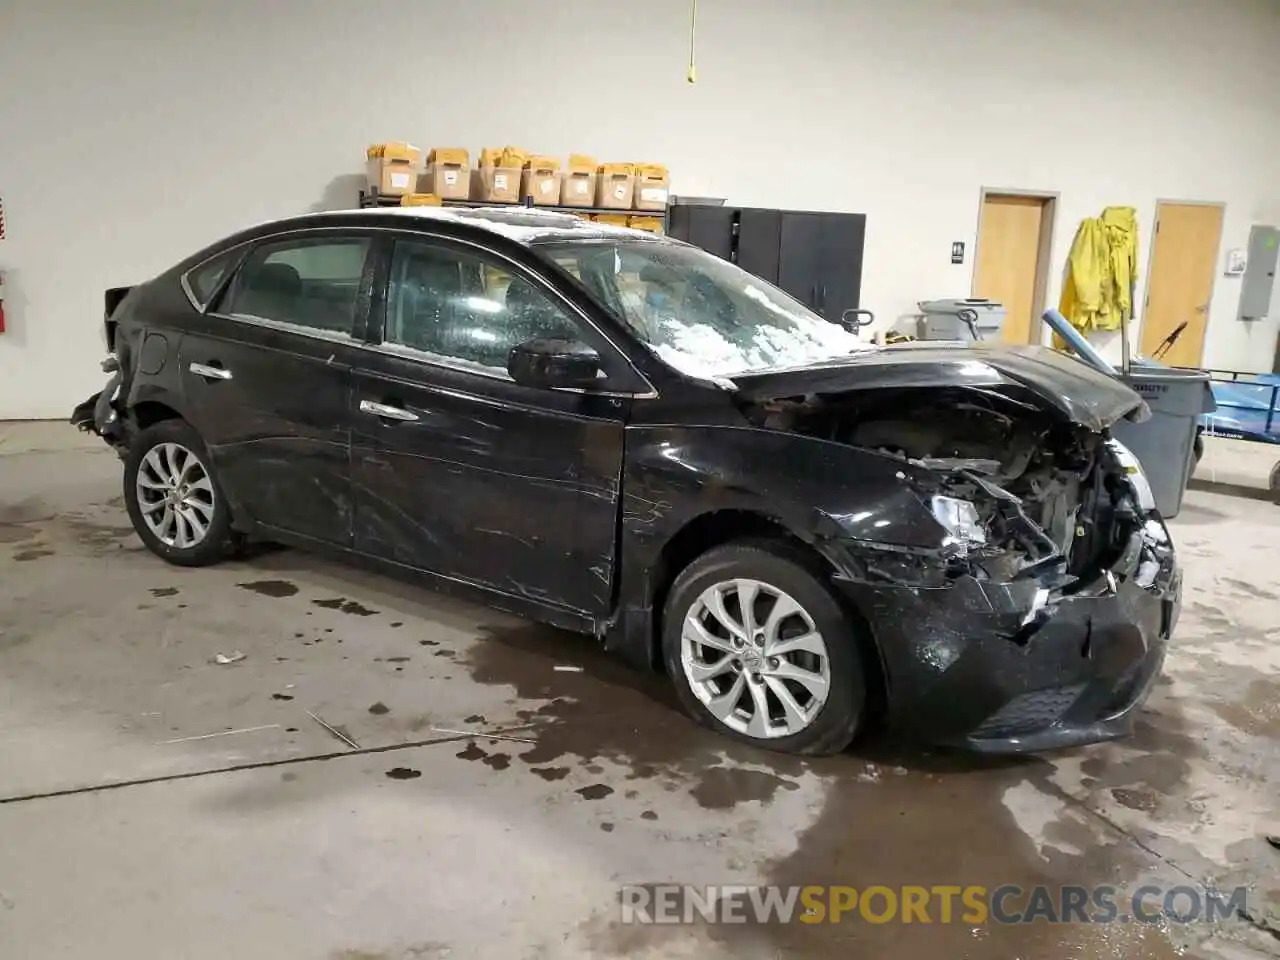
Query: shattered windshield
(700, 314)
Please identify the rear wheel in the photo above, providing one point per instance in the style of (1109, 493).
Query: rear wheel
(759, 649)
(173, 497)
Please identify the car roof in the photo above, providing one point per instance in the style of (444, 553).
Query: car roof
(525, 225)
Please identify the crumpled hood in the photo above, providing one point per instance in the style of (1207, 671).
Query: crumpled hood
(1070, 386)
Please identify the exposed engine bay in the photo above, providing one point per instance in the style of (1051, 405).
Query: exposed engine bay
(1046, 490)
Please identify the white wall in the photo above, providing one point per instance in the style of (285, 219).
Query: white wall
(135, 130)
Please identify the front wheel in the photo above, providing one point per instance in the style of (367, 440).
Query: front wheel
(760, 649)
(173, 497)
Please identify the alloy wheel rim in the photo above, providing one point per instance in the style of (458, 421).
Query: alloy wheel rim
(755, 659)
(175, 496)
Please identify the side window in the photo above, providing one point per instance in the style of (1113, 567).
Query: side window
(204, 280)
(311, 283)
(459, 307)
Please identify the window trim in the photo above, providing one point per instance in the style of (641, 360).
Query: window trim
(381, 254)
(241, 250)
(388, 348)
(333, 336)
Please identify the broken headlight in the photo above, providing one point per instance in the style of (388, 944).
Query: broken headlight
(1136, 476)
(960, 519)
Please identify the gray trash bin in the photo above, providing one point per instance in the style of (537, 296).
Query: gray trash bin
(1164, 444)
(946, 319)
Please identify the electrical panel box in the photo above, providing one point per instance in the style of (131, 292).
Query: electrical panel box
(1259, 273)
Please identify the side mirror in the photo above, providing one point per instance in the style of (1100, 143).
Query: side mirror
(547, 363)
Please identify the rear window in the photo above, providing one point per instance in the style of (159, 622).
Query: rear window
(310, 283)
(204, 280)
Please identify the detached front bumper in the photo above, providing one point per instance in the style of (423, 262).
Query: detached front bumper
(1019, 667)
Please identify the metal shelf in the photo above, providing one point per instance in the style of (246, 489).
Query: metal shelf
(393, 200)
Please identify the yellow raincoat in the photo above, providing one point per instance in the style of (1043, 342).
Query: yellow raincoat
(1102, 270)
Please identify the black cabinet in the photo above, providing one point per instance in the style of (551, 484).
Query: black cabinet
(815, 257)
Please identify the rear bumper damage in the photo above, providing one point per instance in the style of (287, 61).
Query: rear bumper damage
(1026, 665)
(100, 413)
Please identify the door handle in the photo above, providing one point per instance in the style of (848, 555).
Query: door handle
(210, 372)
(387, 411)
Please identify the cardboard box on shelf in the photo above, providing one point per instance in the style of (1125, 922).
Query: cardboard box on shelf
(448, 173)
(392, 168)
(540, 180)
(578, 189)
(653, 183)
(648, 224)
(420, 200)
(494, 184)
(615, 186)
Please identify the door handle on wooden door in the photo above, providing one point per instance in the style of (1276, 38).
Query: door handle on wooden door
(210, 371)
(386, 411)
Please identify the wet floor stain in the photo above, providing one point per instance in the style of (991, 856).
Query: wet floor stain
(428, 643)
(498, 761)
(97, 535)
(396, 624)
(611, 712)
(379, 708)
(723, 788)
(16, 533)
(474, 718)
(403, 773)
(1256, 712)
(877, 822)
(1252, 590)
(471, 752)
(550, 774)
(23, 556)
(164, 591)
(343, 605)
(648, 815)
(397, 659)
(270, 588)
(607, 827)
(1143, 800)
(281, 696)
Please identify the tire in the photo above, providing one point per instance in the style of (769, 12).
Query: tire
(830, 725)
(148, 456)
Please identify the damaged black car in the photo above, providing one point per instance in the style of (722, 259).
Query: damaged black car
(619, 434)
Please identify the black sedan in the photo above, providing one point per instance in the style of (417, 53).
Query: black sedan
(620, 434)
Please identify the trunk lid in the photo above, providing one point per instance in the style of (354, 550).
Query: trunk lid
(1063, 383)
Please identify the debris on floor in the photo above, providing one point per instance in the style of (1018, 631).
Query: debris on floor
(223, 659)
(483, 736)
(334, 731)
(222, 733)
(566, 668)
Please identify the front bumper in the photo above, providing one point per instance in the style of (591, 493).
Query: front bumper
(1018, 667)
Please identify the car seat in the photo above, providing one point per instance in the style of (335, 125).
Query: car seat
(272, 292)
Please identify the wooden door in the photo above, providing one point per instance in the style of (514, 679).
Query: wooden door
(1184, 257)
(1008, 266)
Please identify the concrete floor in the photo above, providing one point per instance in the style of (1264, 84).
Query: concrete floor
(122, 837)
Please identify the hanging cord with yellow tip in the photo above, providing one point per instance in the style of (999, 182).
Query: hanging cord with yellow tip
(692, 75)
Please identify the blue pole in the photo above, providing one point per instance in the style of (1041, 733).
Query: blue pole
(1076, 341)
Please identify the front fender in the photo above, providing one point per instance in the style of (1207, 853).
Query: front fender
(817, 489)
(823, 493)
